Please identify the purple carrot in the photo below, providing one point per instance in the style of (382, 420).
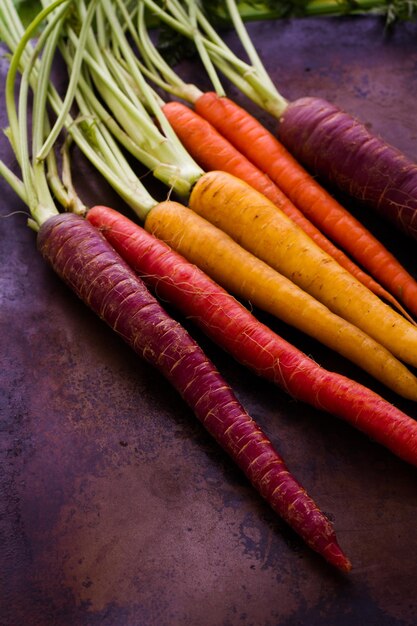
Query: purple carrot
(87, 263)
(343, 152)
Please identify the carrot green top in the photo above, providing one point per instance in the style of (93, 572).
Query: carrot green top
(33, 188)
(39, 172)
(251, 77)
(111, 67)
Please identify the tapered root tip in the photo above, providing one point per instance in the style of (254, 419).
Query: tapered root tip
(336, 557)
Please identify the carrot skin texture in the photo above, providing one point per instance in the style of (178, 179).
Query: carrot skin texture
(252, 343)
(342, 151)
(213, 152)
(263, 149)
(87, 263)
(255, 223)
(242, 274)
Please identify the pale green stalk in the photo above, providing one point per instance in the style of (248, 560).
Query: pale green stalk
(69, 96)
(40, 121)
(175, 167)
(15, 62)
(147, 93)
(251, 79)
(156, 66)
(37, 194)
(247, 43)
(14, 181)
(106, 162)
(202, 51)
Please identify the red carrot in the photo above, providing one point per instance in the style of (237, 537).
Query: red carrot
(235, 329)
(87, 263)
(213, 151)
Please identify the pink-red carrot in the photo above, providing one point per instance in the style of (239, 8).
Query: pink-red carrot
(212, 151)
(88, 264)
(260, 146)
(236, 330)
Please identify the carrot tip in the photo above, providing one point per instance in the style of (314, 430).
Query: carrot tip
(334, 555)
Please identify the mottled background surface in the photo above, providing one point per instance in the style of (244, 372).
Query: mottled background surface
(116, 508)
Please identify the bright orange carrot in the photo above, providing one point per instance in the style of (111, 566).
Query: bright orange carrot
(213, 151)
(253, 140)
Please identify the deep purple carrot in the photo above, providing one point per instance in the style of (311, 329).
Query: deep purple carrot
(87, 263)
(343, 152)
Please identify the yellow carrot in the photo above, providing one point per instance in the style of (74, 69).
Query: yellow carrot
(260, 227)
(241, 273)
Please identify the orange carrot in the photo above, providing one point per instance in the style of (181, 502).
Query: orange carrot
(253, 140)
(213, 151)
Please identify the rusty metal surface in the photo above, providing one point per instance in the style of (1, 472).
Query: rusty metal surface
(116, 508)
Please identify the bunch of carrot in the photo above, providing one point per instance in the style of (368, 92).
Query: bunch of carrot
(79, 254)
(330, 142)
(96, 273)
(239, 207)
(207, 246)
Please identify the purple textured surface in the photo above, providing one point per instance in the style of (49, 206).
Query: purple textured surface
(116, 507)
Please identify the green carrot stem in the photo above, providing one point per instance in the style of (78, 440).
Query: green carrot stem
(175, 166)
(249, 78)
(247, 43)
(14, 68)
(40, 121)
(14, 181)
(204, 55)
(129, 188)
(38, 197)
(147, 93)
(69, 96)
